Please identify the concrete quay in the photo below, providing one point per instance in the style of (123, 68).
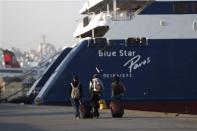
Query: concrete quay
(22, 117)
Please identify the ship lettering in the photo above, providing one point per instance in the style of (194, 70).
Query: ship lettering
(126, 53)
(135, 63)
(106, 53)
(121, 53)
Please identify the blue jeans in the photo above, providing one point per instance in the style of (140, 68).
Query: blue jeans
(95, 103)
(75, 103)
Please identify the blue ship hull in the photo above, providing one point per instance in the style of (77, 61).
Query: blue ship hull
(159, 75)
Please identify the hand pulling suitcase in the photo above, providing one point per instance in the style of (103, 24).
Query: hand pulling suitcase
(117, 108)
(85, 111)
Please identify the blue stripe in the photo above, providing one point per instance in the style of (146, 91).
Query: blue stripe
(10, 71)
(157, 8)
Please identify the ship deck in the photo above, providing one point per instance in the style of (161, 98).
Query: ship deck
(41, 118)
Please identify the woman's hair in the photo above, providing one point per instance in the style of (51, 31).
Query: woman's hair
(75, 78)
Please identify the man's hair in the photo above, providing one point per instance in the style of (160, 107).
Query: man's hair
(95, 76)
(115, 78)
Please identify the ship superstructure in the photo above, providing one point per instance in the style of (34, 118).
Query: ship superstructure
(153, 19)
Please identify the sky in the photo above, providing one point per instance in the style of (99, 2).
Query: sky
(24, 22)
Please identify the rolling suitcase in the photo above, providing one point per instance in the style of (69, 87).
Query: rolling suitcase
(117, 108)
(85, 111)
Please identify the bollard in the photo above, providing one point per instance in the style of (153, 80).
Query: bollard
(102, 104)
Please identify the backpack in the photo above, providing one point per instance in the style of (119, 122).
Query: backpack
(118, 88)
(97, 85)
(75, 93)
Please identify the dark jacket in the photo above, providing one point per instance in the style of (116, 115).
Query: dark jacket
(118, 88)
(80, 89)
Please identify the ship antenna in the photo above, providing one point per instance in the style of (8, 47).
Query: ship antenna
(87, 8)
(44, 39)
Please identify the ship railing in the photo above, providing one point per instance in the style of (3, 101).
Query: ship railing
(43, 64)
(122, 16)
(118, 15)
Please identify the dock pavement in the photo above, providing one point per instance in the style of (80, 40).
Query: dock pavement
(21, 117)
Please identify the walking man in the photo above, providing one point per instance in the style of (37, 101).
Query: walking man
(95, 87)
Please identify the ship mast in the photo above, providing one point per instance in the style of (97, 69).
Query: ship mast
(114, 8)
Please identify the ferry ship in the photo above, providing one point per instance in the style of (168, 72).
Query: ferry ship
(9, 66)
(150, 44)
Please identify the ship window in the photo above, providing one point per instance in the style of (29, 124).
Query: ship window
(132, 41)
(194, 8)
(117, 42)
(98, 42)
(195, 25)
(85, 21)
(180, 8)
(137, 42)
